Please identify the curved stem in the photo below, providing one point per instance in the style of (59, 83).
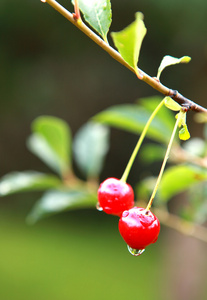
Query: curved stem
(153, 82)
(163, 165)
(141, 138)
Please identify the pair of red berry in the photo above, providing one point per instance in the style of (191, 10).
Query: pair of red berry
(138, 227)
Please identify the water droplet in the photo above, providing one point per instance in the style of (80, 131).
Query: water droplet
(125, 214)
(98, 207)
(43, 1)
(135, 252)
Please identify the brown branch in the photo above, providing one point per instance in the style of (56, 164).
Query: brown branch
(175, 95)
(153, 82)
(187, 103)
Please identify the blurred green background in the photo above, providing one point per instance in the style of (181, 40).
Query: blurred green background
(49, 67)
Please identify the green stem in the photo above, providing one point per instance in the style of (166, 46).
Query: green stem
(163, 164)
(136, 149)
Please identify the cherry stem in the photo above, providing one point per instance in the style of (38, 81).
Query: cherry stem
(76, 15)
(163, 164)
(141, 138)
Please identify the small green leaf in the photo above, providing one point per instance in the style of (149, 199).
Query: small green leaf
(98, 14)
(56, 201)
(91, 144)
(129, 41)
(51, 142)
(133, 118)
(179, 178)
(184, 133)
(181, 116)
(16, 182)
(169, 61)
(171, 104)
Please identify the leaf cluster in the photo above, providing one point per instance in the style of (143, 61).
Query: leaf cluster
(52, 142)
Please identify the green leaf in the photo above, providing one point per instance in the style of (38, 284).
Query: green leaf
(169, 61)
(171, 104)
(16, 182)
(56, 201)
(129, 41)
(51, 142)
(98, 14)
(179, 178)
(91, 144)
(184, 133)
(133, 118)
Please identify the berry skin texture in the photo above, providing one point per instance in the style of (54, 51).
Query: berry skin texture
(115, 196)
(139, 228)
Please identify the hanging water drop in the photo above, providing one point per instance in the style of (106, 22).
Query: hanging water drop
(43, 1)
(98, 207)
(135, 252)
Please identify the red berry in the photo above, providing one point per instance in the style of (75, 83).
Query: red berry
(115, 196)
(139, 228)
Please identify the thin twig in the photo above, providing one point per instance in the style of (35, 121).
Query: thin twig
(180, 155)
(182, 226)
(153, 82)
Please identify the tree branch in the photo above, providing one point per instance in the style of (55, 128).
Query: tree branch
(153, 82)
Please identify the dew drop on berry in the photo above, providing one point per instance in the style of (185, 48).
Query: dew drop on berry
(135, 252)
(125, 214)
(98, 207)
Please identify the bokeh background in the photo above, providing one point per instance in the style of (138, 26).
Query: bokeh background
(48, 67)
